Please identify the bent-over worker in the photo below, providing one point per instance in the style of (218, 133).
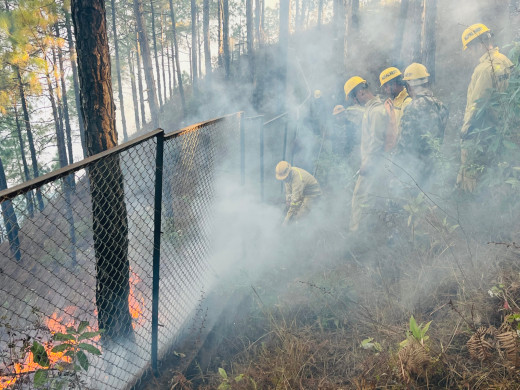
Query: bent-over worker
(302, 190)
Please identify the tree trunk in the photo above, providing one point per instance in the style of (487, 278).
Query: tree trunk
(258, 15)
(225, 37)
(30, 139)
(194, 47)
(157, 70)
(177, 61)
(514, 20)
(173, 68)
(68, 181)
(220, 33)
(320, 13)
(10, 220)
(72, 54)
(106, 178)
(351, 34)
(147, 63)
(60, 137)
(283, 49)
(26, 175)
(399, 35)
(411, 42)
(118, 71)
(140, 81)
(346, 37)
(199, 57)
(302, 14)
(207, 40)
(57, 113)
(339, 28)
(262, 20)
(429, 43)
(296, 14)
(64, 101)
(250, 39)
(162, 60)
(134, 92)
(190, 57)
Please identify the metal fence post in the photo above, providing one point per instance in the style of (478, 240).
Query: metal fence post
(262, 161)
(242, 150)
(284, 149)
(285, 139)
(159, 158)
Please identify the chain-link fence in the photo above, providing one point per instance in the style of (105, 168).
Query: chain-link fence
(119, 243)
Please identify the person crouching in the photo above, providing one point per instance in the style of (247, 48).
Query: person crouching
(302, 191)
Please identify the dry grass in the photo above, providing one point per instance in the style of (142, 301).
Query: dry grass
(307, 327)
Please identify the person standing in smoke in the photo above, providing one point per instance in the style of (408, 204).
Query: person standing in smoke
(347, 132)
(302, 191)
(369, 189)
(422, 128)
(490, 75)
(393, 86)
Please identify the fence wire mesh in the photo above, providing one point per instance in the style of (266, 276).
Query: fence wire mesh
(193, 161)
(86, 257)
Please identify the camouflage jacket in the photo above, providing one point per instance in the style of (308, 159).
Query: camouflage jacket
(422, 126)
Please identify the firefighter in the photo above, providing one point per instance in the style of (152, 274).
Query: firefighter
(369, 185)
(422, 127)
(302, 191)
(490, 75)
(393, 86)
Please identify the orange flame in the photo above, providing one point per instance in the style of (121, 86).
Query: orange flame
(135, 300)
(55, 325)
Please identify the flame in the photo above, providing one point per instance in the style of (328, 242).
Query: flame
(59, 324)
(55, 324)
(135, 300)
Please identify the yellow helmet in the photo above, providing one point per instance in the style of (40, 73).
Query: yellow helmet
(472, 32)
(416, 74)
(338, 109)
(317, 94)
(352, 83)
(282, 170)
(389, 74)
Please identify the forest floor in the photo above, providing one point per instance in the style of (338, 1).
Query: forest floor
(432, 310)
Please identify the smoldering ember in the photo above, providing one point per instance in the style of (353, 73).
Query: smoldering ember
(260, 194)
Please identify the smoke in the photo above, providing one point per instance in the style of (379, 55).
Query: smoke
(249, 239)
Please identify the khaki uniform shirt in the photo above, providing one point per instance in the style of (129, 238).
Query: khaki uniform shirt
(395, 108)
(299, 186)
(492, 73)
(373, 134)
(400, 102)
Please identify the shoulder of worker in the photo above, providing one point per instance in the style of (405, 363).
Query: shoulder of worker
(375, 106)
(493, 60)
(402, 100)
(423, 103)
(305, 173)
(354, 113)
(305, 177)
(355, 109)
